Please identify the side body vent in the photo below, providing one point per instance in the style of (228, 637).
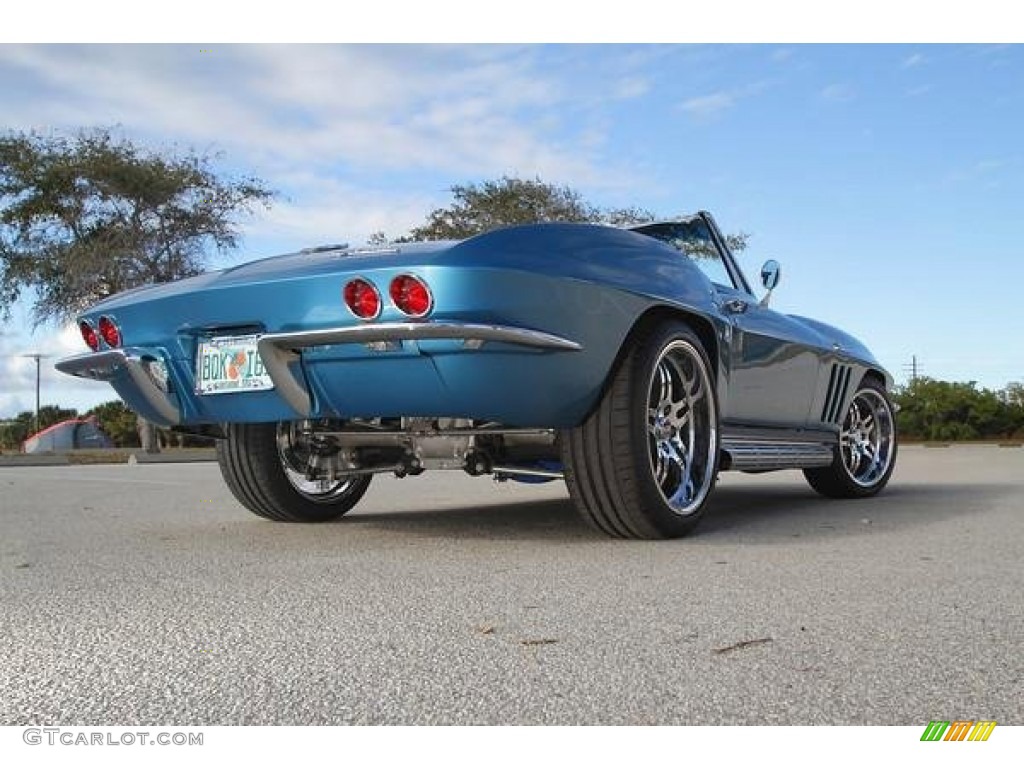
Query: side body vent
(838, 387)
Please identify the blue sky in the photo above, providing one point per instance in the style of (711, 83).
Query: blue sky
(887, 179)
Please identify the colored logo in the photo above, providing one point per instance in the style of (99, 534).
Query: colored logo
(958, 730)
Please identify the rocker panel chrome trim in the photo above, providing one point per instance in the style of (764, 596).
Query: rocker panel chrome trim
(753, 455)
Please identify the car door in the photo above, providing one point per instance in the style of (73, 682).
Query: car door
(774, 364)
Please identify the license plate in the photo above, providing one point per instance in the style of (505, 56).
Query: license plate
(230, 364)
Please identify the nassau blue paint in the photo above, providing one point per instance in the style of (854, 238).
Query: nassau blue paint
(589, 284)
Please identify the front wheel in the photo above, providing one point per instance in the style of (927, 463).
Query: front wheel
(643, 463)
(866, 455)
(265, 466)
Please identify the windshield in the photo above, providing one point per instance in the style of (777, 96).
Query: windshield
(693, 238)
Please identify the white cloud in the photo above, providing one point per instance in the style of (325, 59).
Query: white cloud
(712, 105)
(989, 171)
(986, 166)
(704, 107)
(915, 60)
(631, 88)
(460, 110)
(838, 92)
(331, 211)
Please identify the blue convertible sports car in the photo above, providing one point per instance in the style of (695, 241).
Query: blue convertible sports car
(634, 363)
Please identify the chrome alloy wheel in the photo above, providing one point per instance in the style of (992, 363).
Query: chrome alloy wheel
(867, 438)
(682, 427)
(297, 457)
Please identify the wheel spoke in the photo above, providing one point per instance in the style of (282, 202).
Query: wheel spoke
(854, 461)
(677, 455)
(684, 494)
(661, 472)
(652, 421)
(695, 389)
(681, 415)
(666, 385)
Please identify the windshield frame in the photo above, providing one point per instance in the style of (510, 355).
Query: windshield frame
(717, 240)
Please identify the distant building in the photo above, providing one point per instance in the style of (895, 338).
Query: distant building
(68, 435)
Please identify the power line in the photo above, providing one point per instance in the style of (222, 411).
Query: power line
(913, 368)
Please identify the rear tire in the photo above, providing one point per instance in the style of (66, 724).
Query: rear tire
(643, 463)
(262, 465)
(866, 455)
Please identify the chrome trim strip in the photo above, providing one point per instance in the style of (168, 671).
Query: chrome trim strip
(419, 332)
(505, 473)
(279, 350)
(766, 455)
(110, 363)
(357, 434)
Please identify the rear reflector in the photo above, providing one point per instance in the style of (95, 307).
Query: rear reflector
(157, 371)
(89, 335)
(411, 295)
(110, 332)
(362, 299)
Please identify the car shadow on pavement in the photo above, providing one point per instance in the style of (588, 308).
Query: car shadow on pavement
(768, 513)
(548, 519)
(774, 512)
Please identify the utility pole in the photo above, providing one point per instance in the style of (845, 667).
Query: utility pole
(913, 368)
(37, 356)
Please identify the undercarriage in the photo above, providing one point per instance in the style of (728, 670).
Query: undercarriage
(323, 451)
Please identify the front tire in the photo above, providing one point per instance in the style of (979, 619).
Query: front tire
(866, 455)
(643, 463)
(263, 465)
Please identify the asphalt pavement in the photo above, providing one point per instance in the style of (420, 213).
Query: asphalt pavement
(144, 594)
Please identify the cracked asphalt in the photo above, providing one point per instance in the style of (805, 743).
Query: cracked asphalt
(146, 595)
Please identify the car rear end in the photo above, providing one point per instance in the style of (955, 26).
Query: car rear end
(428, 330)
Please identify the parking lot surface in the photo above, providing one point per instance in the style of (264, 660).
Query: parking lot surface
(144, 594)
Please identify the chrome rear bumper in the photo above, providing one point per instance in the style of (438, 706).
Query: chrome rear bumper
(111, 364)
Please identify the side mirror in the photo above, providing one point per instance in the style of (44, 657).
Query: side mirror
(771, 273)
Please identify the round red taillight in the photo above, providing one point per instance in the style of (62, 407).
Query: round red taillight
(89, 335)
(110, 332)
(411, 295)
(362, 299)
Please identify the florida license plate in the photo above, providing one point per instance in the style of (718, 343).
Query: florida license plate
(230, 364)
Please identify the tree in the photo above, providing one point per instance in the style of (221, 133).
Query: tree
(481, 207)
(1013, 396)
(90, 215)
(508, 201)
(85, 216)
(15, 431)
(19, 429)
(118, 422)
(944, 410)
